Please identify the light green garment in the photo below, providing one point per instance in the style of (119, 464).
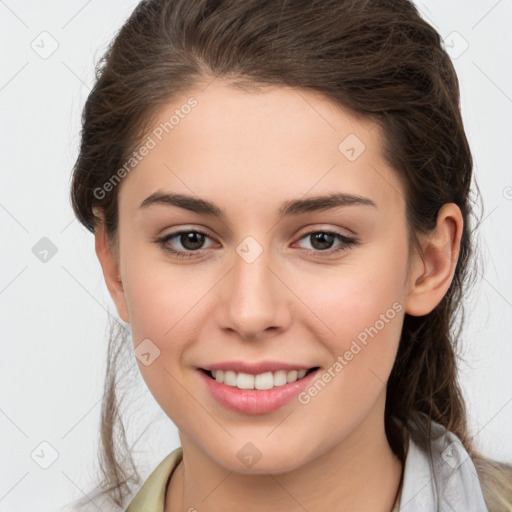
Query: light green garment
(151, 496)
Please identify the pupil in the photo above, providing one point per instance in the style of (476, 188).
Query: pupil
(321, 238)
(188, 239)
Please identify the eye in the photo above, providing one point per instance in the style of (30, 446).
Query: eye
(322, 242)
(191, 241)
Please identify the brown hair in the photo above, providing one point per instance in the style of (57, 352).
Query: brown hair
(379, 59)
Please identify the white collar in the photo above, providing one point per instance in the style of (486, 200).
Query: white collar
(445, 480)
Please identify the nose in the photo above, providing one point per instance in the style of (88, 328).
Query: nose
(253, 299)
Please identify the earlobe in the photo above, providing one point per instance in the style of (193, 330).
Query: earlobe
(109, 262)
(432, 271)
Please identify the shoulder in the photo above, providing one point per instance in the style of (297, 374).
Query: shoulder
(439, 474)
(496, 480)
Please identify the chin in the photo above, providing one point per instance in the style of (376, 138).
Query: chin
(250, 461)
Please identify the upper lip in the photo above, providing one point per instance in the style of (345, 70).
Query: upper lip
(256, 368)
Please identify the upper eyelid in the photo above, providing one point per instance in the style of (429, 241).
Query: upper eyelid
(309, 230)
(206, 232)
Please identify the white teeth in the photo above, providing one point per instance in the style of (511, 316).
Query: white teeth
(245, 381)
(267, 380)
(229, 378)
(264, 381)
(292, 376)
(280, 378)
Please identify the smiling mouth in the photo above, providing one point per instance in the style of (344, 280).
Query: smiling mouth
(266, 380)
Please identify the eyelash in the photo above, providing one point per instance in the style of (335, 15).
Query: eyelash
(347, 243)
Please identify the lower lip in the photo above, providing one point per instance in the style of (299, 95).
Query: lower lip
(251, 401)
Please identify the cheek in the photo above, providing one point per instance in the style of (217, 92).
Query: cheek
(366, 319)
(166, 305)
(168, 312)
(359, 311)
(161, 310)
(159, 295)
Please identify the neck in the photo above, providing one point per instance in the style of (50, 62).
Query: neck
(360, 473)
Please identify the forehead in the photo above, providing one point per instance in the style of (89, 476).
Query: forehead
(253, 148)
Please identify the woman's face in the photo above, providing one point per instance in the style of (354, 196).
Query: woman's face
(261, 285)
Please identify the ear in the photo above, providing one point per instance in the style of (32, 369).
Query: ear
(109, 260)
(432, 271)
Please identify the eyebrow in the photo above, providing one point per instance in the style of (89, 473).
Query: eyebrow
(288, 208)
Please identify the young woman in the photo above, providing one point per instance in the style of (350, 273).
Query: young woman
(280, 197)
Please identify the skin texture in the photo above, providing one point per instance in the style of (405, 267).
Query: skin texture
(248, 152)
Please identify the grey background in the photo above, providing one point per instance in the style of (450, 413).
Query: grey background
(54, 313)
